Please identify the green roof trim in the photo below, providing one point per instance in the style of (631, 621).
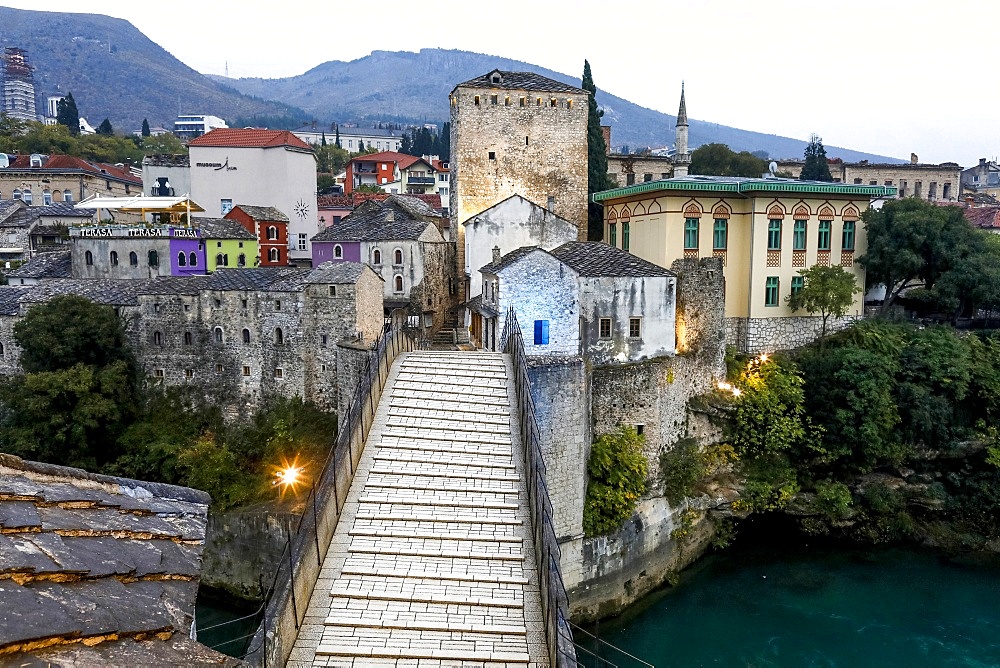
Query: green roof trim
(745, 185)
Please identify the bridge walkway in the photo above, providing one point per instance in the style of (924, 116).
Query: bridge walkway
(432, 561)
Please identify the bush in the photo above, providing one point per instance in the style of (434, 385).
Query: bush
(833, 498)
(617, 470)
(681, 468)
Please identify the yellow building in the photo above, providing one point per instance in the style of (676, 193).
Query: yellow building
(765, 230)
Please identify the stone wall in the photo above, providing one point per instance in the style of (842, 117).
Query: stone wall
(434, 291)
(521, 287)
(242, 548)
(642, 168)
(764, 335)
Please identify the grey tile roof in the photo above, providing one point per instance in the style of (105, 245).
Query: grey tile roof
(336, 272)
(64, 210)
(395, 219)
(10, 296)
(476, 304)
(595, 258)
(262, 212)
(96, 555)
(167, 160)
(280, 279)
(221, 228)
(507, 260)
(522, 81)
(110, 291)
(14, 213)
(56, 264)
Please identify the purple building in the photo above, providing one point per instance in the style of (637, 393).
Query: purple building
(187, 255)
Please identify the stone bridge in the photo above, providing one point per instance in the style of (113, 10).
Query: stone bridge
(433, 561)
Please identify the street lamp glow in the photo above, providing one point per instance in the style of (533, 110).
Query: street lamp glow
(288, 476)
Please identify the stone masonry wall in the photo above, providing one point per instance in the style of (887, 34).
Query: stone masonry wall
(764, 335)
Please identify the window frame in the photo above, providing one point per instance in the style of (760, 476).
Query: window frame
(772, 287)
(774, 234)
(604, 328)
(635, 327)
(798, 282)
(824, 234)
(800, 232)
(721, 225)
(541, 331)
(691, 231)
(848, 235)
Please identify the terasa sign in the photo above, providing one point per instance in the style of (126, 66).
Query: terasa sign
(146, 232)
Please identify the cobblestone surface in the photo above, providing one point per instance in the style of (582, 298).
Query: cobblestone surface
(432, 561)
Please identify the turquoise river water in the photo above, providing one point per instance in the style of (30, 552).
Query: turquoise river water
(821, 606)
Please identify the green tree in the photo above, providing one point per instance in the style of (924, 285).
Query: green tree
(105, 128)
(617, 480)
(827, 290)
(79, 388)
(914, 243)
(406, 144)
(145, 128)
(720, 160)
(597, 158)
(361, 146)
(816, 167)
(163, 144)
(336, 141)
(68, 115)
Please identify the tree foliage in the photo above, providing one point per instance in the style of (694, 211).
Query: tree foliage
(597, 158)
(827, 290)
(105, 128)
(68, 115)
(816, 167)
(915, 244)
(720, 160)
(31, 137)
(145, 128)
(617, 480)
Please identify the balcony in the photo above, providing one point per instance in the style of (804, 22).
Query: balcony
(420, 180)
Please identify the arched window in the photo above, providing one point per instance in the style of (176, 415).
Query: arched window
(219, 336)
(1, 348)
(279, 336)
(397, 283)
(16, 194)
(272, 232)
(192, 260)
(26, 196)
(67, 196)
(182, 259)
(376, 256)
(246, 335)
(47, 197)
(338, 251)
(188, 338)
(273, 255)
(154, 258)
(241, 261)
(89, 258)
(397, 256)
(133, 259)
(157, 339)
(113, 258)
(218, 260)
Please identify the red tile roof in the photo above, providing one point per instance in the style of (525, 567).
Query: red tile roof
(71, 162)
(440, 165)
(986, 217)
(401, 159)
(249, 138)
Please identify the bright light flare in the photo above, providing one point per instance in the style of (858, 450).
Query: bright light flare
(729, 387)
(763, 357)
(289, 475)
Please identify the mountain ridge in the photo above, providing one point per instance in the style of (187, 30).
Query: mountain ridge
(347, 90)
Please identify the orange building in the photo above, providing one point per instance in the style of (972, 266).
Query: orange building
(270, 226)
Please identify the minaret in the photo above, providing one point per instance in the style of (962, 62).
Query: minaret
(681, 157)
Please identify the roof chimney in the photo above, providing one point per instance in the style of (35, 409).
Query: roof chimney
(496, 253)
(914, 159)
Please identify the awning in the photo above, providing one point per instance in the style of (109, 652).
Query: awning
(142, 204)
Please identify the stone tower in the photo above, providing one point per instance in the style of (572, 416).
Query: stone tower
(682, 158)
(18, 85)
(517, 133)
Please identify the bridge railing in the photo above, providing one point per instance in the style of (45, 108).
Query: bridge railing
(288, 592)
(555, 603)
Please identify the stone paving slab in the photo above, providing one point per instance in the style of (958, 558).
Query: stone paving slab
(432, 562)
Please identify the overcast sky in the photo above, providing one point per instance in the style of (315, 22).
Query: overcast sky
(884, 76)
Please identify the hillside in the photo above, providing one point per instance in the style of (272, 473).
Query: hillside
(132, 79)
(401, 85)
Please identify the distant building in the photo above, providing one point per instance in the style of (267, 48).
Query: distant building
(395, 173)
(166, 175)
(40, 180)
(401, 240)
(934, 183)
(270, 227)
(765, 230)
(268, 168)
(190, 126)
(18, 85)
(982, 178)
(352, 139)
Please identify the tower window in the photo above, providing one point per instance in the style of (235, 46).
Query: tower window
(492, 155)
(477, 100)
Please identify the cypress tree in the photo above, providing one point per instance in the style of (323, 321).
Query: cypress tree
(68, 115)
(322, 140)
(336, 141)
(597, 159)
(105, 128)
(145, 128)
(816, 167)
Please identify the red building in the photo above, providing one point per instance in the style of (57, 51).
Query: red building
(411, 174)
(270, 226)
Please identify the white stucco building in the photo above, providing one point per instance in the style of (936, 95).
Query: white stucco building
(582, 298)
(260, 168)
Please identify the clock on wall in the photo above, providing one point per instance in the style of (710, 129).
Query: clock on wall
(301, 209)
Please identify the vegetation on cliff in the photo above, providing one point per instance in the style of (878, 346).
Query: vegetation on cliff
(82, 402)
(616, 481)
